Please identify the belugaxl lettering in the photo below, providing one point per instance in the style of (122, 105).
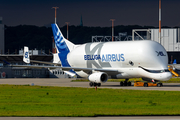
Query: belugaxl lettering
(106, 57)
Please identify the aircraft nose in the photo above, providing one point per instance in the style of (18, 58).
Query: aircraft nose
(168, 75)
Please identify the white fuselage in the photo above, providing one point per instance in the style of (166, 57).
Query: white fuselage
(133, 59)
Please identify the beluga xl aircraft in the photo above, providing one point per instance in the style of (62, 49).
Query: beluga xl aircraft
(99, 61)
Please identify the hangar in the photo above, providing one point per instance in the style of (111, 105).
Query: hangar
(16, 72)
(170, 39)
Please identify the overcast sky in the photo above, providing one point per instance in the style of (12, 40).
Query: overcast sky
(94, 12)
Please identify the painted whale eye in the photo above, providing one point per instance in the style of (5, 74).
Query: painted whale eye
(162, 71)
(131, 63)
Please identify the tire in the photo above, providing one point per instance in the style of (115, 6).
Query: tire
(99, 84)
(121, 83)
(91, 84)
(125, 83)
(159, 84)
(145, 84)
(129, 83)
(95, 84)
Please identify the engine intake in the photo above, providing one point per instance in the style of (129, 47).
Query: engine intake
(98, 77)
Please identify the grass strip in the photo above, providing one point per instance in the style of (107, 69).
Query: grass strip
(16, 100)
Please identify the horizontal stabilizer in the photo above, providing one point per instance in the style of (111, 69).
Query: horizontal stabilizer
(43, 62)
(108, 71)
(70, 73)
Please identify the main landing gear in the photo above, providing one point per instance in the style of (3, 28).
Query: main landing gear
(94, 84)
(125, 83)
(159, 85)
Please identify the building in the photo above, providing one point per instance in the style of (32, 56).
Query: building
(170, 39)
(19, 72)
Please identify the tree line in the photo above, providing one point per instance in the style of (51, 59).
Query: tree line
(16, 37)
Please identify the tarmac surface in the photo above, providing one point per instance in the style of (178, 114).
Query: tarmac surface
(67, 83)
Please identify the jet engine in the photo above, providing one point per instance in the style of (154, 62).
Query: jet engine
(98, 77)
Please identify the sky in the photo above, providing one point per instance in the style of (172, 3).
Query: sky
(94, 12)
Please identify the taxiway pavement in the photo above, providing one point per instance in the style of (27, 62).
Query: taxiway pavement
(67, 83)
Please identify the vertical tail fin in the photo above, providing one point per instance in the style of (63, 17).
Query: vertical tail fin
(174, 61)
(59, 39)
(61, 45)
(26, 55)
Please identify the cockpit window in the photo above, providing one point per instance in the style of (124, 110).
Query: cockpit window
(155, 71)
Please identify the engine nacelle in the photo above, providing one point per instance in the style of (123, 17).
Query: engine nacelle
(98, 77)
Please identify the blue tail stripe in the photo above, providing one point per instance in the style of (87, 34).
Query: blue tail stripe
(63, 58)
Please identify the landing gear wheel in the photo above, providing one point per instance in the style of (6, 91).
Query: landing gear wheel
(95, 84)
(129, 83)
(145, 84)
(91, 84)
(121, 83)
(159, 85)
(99, 84)
(125, 83)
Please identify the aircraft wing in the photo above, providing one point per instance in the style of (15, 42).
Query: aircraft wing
(35, 66)
(49, 63)
(87, 70)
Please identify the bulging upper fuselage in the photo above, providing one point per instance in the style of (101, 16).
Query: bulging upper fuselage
(126, 59)
(145, 59)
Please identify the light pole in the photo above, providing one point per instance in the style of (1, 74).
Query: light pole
(160, 21)
(112, 28)
(55, 12)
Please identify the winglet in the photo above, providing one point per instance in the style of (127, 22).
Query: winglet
(26, 55)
